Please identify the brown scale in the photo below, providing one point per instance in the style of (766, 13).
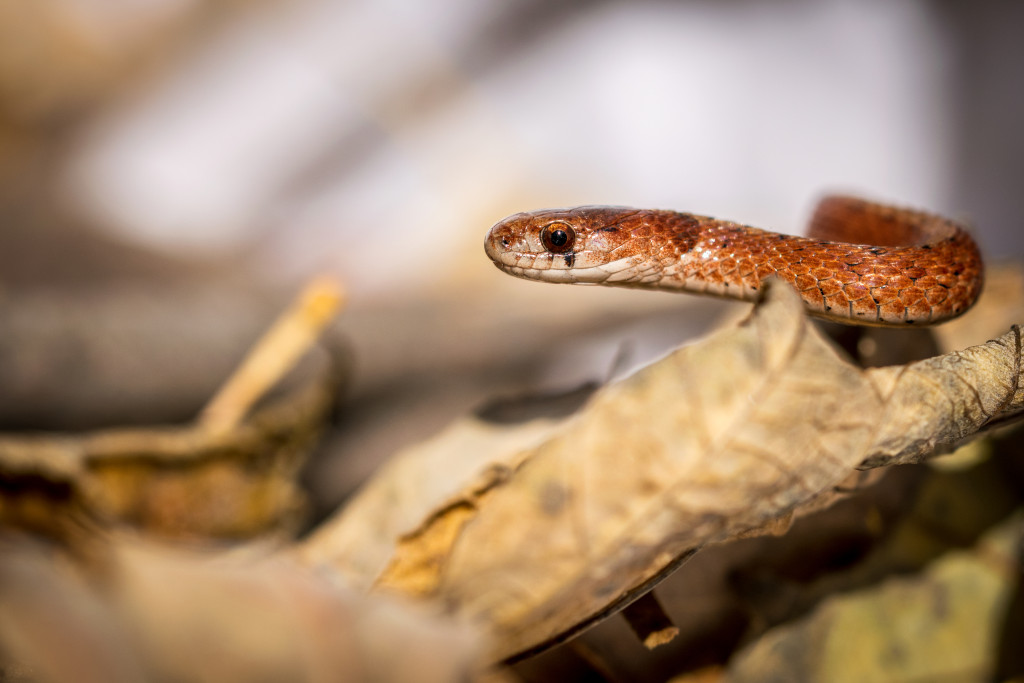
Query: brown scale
(863, 262)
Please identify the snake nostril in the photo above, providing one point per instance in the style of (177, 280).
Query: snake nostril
(506, 241)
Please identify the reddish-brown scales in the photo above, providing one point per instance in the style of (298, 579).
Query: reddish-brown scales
(862, 262)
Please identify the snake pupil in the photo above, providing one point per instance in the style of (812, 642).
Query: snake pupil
(558, 238)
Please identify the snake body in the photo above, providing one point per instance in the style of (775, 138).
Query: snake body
(863, 263)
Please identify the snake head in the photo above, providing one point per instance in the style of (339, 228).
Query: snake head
(584, 245)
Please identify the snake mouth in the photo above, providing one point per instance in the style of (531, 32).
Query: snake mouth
(618, 271)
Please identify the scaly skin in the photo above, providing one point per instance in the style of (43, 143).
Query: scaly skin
(864, 263)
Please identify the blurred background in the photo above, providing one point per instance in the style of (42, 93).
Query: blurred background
(171, 171)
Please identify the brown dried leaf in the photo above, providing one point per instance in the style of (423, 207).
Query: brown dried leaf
(853, 636)
(717, 440)
(439, 478)
(936, 403)
(172, 481)
(159, 614)
(232, 473)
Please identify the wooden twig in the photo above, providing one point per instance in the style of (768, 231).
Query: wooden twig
(649, 621)
(277, 351)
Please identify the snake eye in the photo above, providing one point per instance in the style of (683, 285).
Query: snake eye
(557, 238)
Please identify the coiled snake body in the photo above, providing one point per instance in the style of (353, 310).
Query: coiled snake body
(862, 263)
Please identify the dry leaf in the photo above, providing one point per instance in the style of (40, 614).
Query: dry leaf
(160, 614)
(716, 440)
(232, 473)
(941, 624)
(441, 476)
(934, 404)
(171, 481)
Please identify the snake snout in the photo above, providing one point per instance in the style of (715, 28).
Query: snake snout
(503, 244)
(493, 246)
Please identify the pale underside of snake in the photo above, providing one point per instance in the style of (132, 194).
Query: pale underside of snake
(862, 262)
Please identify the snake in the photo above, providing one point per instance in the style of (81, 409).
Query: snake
(862, 262)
